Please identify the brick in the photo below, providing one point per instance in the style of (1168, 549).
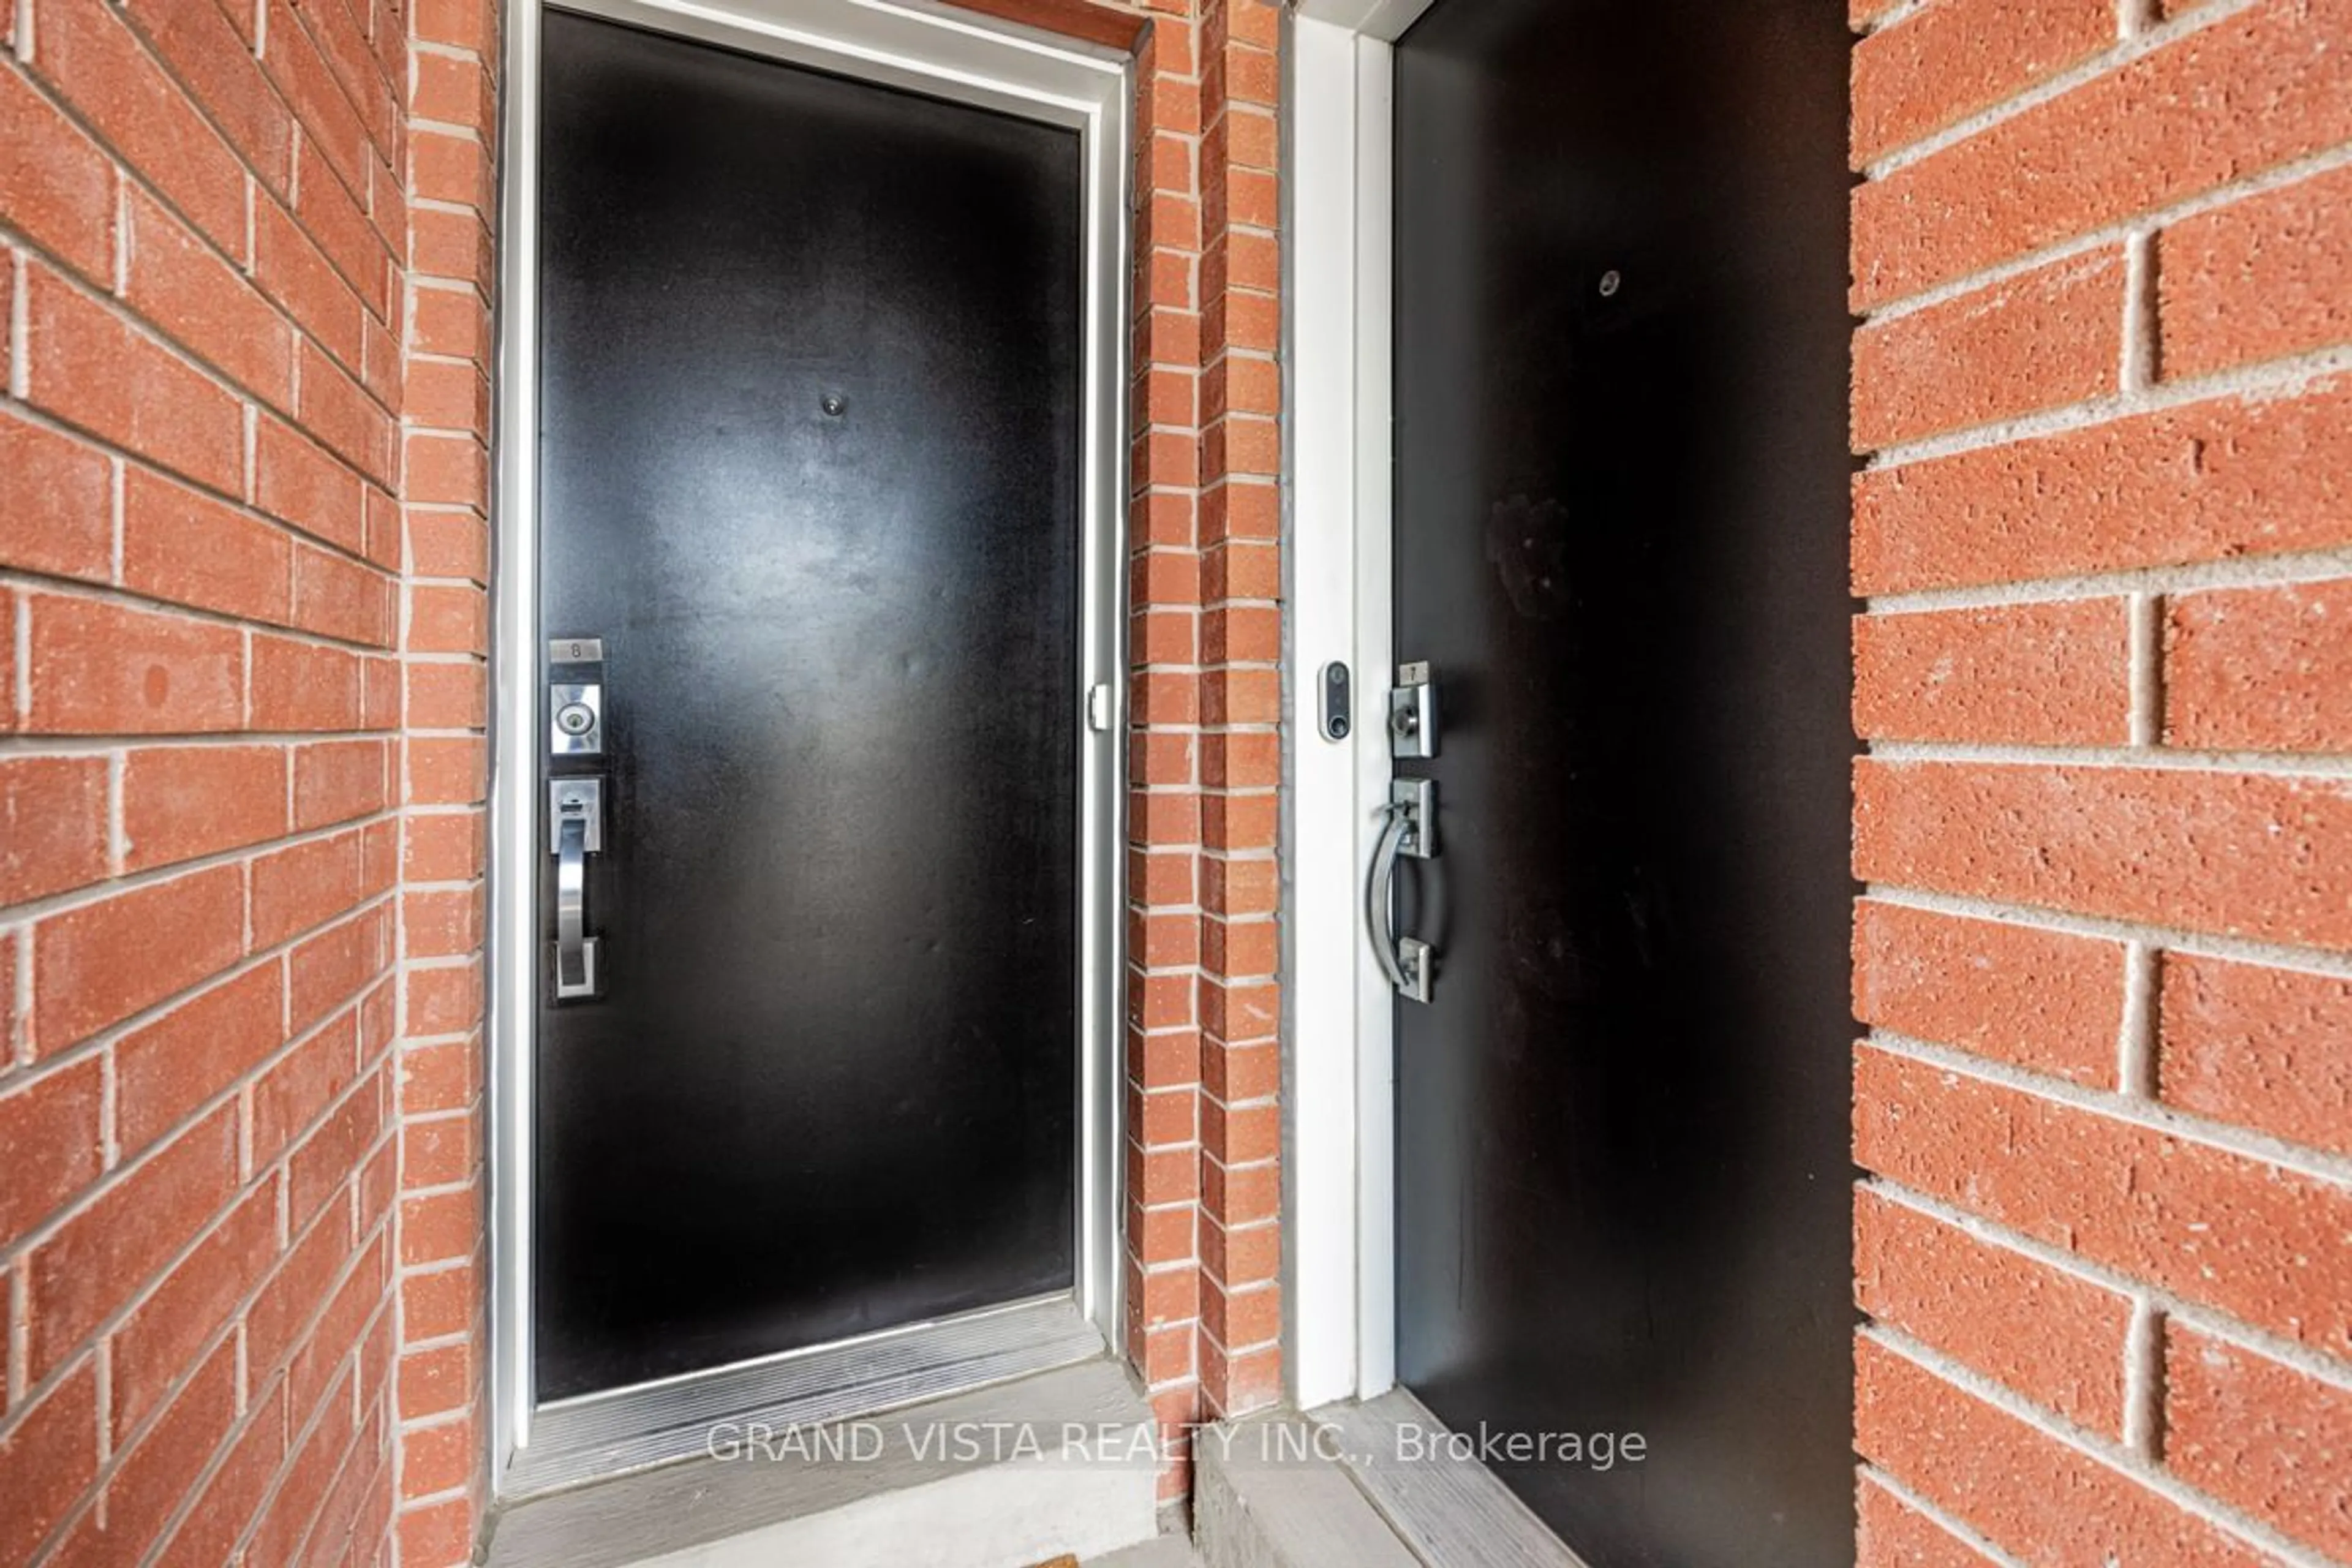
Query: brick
(332, 123)
(2258, 279)
(328, 969)
(448, 321)
(332, 218)
(319, 1360)
(442, 847)
(2041, 999)
(56, 502)
(233, 1495)
(299, 1087)
(304, 884)
(2025, 1491)
(454, 91)
(440, 1077)
(448, 168)
(445, 999)
(2174, 122)
(447, 696)
(454, 247)
(1946, 61)
(323, 1165)
(440, 1152)
(291, 269)
(86, 51)
(296, 1499)
(2055, 674)
(52, 1128)
(148, 1482)
(99, 963)
(180, 801)
(443, 619)
(292, 1296)
(438, 1227)
(446, 394)
(440, 1301)
(195, 1300)
(102, 669)
(335, 781)
(107, 1253)
(447, 772)
(1891, 1533)
(2207, 483)
(47, 1460)
(304, 686)
(336, 409)
(2235, 853)
(336, 596)
(205, 49)
(2272, 1441)
(380, 693)
(204, 304)
(449, 544)
(2257, 1046)
(2054, 1337)
(299, 482)
(2244, 1237)
(181, 545)
(55, 185)
(2260, 670)
(85, 365)
(2053, 336)
(53, 825)
(165, 1069)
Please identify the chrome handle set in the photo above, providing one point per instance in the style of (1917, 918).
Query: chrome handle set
(575, 810)
(575, 803)
(1409, 832)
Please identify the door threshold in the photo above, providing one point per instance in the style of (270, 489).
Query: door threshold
(946, 1483)
(1336, 1484)
(597, 1437)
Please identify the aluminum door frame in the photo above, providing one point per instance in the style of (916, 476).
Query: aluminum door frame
(963, 58)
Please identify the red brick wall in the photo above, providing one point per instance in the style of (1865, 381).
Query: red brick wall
(203, 219)
(443, 1263)
(1203, 1248)
(243, 556)
(2105, 1111)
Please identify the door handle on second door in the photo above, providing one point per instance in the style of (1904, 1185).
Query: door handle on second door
(1410, 830)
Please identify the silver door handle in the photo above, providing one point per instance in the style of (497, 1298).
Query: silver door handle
(1410, 829)
(577, 809)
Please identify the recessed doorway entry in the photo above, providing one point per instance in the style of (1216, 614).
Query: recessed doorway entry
(807, 776)
(1570, 1143)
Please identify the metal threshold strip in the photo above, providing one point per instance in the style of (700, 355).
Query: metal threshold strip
(597, 1436)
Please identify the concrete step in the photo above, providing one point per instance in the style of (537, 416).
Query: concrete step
(1166, 1552)
(1289, 1490)
(997, 1477)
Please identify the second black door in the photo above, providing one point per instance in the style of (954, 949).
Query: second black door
(811, 456)
(1620, 524)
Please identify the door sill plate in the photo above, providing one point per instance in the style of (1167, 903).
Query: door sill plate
(597, 1436)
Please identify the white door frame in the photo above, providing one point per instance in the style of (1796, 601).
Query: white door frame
(1339, 1156)
(967, 59)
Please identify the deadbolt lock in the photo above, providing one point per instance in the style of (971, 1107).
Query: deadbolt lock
(1412, 711)
(575, 697)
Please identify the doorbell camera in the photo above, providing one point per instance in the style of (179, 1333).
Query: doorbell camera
(1337, 701)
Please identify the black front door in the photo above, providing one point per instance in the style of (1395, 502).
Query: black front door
(1620, 523)
(810, 452)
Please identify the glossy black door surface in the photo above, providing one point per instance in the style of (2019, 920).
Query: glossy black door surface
(1622, 473)
(811, 443)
